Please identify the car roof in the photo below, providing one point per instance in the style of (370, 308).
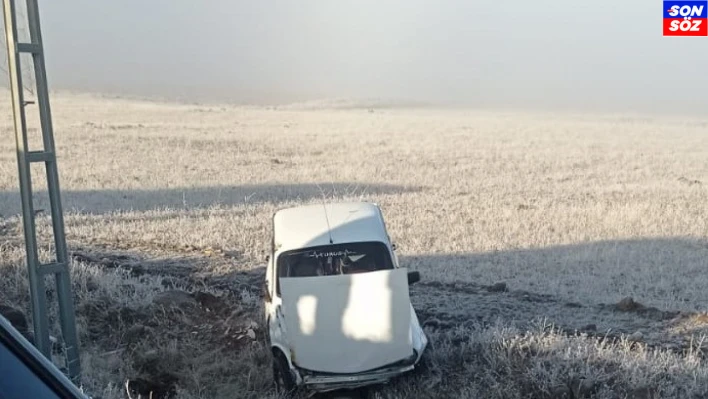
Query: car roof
(313, 225)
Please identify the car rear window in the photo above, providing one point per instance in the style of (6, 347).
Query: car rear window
(360, 257)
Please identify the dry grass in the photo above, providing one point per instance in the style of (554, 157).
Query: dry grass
(586, 209)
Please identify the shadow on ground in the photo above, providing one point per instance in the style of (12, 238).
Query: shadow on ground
(109, 200)
(665, 272)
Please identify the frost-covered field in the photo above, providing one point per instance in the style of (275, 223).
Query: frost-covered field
(572, 212)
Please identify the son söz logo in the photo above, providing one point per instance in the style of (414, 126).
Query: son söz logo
(685, 18)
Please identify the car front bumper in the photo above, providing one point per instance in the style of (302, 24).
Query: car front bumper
(324, 383)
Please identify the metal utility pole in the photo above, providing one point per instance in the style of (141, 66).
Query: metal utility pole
(60, 267)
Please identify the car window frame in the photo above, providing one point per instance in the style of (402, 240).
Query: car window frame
(276, 260)
(38, 365)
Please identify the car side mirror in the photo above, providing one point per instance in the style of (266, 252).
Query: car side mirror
(266, 293)
(413, 277)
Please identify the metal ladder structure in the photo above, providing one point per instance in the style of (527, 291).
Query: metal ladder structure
(59, 269)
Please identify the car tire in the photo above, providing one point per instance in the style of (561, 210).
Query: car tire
(283, 378)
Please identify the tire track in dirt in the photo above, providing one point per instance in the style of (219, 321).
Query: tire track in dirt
(445, 306)
(449, 305)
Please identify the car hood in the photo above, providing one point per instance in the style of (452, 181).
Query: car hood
(348, 323)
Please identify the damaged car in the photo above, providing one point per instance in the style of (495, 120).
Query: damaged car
(337, 304)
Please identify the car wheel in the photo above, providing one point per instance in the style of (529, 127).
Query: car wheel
(284, 380)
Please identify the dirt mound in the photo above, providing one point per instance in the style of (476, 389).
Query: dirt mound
(159, 373)
(174, 299)
(628, 304)
(164, 341)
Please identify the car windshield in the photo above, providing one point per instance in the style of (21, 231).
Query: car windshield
(360, 257)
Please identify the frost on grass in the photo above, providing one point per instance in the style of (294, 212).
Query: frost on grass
(583, 209)
(193, 344)
(542, 362)
(163, 335)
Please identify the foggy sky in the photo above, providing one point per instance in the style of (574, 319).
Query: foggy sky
(604, 54)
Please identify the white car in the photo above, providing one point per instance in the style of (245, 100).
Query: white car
(337, 304)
